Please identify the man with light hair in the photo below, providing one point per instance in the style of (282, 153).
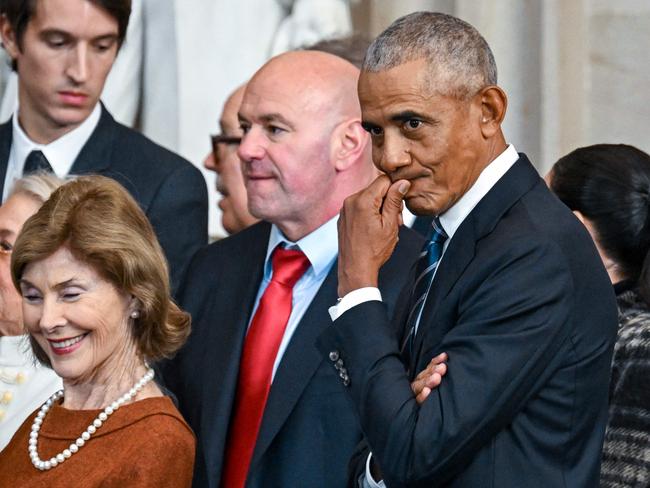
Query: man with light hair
(510, 285)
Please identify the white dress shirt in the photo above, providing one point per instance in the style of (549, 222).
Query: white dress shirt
(450, 221)
(24, 386)
(60, 153)
(321, 248)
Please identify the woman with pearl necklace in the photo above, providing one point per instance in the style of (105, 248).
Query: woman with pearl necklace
(96, 304)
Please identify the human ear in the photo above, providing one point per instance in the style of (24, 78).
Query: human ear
(494, 103)
(349, 141)
(9, 41)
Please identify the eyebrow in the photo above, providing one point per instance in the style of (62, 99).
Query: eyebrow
(269, 118)
(7, 232)
(111, 36)
(63, 284)
(407, 115)
(275, 117)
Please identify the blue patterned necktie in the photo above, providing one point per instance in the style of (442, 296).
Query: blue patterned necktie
(425, 269)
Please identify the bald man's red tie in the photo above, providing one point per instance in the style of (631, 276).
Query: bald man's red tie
(256, 367)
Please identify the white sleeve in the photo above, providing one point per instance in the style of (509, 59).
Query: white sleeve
(355, 297)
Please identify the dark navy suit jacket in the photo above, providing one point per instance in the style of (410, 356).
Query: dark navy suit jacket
(523, 307)
(170, 190)
(309, 429)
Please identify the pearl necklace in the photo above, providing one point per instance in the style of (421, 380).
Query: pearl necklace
(92, 428)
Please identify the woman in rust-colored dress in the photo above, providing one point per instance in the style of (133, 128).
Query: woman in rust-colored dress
(96, 305)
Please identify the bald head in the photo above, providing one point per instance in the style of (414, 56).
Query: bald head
(318, 81)
(304, 150)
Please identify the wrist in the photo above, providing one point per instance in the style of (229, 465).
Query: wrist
(353, 281)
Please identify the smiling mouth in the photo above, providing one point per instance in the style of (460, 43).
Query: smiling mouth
(66, 346)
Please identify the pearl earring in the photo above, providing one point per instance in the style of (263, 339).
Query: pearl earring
(135, 314)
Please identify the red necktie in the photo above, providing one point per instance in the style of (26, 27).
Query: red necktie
(256, 367)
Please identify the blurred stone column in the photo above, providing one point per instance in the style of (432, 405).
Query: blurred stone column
(373, 16)
(512, 29)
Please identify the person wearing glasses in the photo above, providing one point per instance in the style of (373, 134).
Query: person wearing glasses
(224, 161)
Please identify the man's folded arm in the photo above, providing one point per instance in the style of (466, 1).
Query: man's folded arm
(509, 328)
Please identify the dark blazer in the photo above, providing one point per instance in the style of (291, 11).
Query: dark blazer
(170, 190)
(523, 306)
(422, 225)
(309, 429)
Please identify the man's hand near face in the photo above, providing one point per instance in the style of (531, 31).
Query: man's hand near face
(368, 229)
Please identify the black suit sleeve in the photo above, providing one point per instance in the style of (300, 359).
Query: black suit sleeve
(510, 324)
(184, 195)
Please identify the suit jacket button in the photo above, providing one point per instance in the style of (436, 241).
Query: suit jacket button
(334, 356)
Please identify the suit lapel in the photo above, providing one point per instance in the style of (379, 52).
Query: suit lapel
(6, 133)
(96, 154)
(223, 346)
(298, 365)
(517, 181)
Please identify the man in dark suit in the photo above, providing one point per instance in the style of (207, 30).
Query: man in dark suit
(509, 286)
(63, 51)
(303, 152)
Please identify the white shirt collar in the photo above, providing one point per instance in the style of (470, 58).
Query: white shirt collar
(60, 153)
(320, 246)
(454, 216)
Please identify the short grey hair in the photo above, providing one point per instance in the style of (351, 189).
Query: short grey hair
(38, 186)
(459, 58)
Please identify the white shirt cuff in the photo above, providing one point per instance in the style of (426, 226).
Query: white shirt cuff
(354, 298)
(367, 481)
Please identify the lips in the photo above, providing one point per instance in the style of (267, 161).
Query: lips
(67, 345)
(73, 98)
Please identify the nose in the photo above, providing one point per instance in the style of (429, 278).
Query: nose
(77, 69)
(392, 154)
(51, 315)
(252, 145)
(209, 162)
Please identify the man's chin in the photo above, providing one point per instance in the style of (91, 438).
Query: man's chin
(419, 206)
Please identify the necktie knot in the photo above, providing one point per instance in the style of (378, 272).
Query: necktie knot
(288, 266)
(36, 161)
(439, 235)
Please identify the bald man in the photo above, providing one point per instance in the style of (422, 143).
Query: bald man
(268, 411)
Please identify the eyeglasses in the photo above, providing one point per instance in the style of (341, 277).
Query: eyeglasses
(223, 139)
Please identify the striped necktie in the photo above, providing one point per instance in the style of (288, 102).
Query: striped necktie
(425, 269)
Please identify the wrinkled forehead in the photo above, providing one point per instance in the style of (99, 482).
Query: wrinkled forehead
(405, 84)
(293, 99)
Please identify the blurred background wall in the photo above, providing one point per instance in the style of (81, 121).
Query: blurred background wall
(576, 71)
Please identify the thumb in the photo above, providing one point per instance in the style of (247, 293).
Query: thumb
(392, 207)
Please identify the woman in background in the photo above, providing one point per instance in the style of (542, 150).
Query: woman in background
(24, 385)
(608, 188)
(96, 304)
